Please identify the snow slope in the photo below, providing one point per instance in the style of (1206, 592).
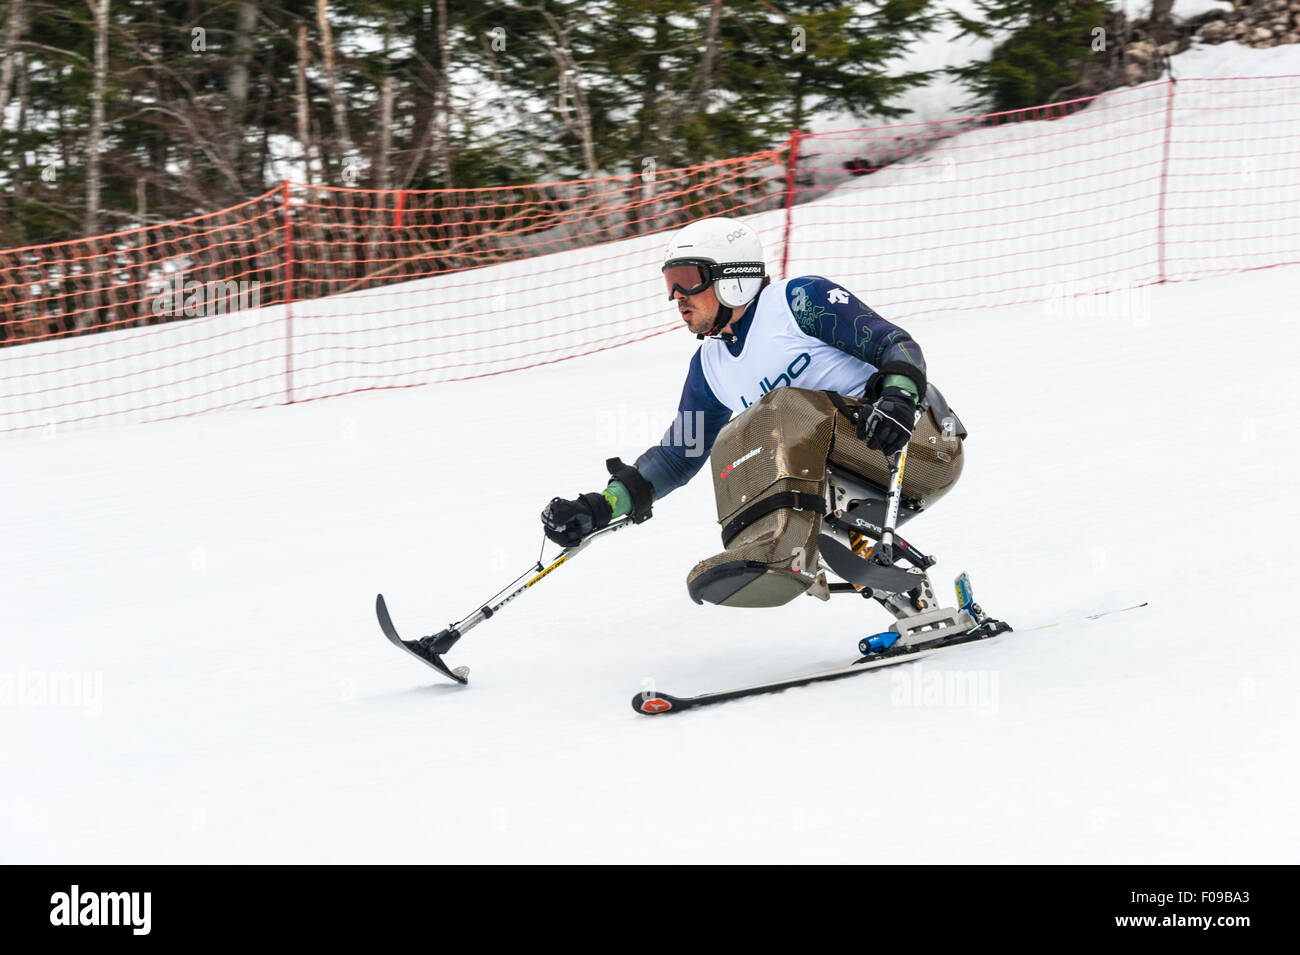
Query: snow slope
(212, 579)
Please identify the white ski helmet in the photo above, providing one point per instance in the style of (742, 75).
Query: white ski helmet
(729, 253)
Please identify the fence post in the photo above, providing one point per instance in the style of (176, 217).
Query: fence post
(791, 170)
(288, 293)
(1164, 172)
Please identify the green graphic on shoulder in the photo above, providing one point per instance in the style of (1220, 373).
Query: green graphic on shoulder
(863, 338)
(812, 319)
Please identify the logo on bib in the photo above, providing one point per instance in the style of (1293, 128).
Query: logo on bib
(792, 371)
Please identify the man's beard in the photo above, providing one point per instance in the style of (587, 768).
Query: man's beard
(700, 324)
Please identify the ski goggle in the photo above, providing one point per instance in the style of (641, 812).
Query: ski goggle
(689, 279)
(692, 278)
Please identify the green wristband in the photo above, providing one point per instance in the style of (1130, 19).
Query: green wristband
(901, 381)
(620, 499)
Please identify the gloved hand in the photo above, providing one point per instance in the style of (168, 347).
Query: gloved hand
(887, 427)
(568, 522)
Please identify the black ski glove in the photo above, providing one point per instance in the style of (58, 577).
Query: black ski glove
(568, 522)
(887, 427)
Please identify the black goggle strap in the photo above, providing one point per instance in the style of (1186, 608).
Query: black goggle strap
(712, 272)
(738, 270)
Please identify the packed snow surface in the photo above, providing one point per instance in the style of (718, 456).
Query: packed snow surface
(192, 670)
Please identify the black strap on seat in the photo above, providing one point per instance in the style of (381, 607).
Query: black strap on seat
(794, 500)
(932, 401)
(842, 406)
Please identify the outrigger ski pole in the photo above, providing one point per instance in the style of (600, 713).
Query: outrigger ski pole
(431, 648)
(884, 553)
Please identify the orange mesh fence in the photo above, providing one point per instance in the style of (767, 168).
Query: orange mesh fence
(416, 287)
(118, 280)
(311, 291)
(1169, 181)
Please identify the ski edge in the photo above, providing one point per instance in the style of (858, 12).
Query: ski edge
(654, 703)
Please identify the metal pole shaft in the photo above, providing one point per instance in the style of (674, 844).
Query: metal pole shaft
(886, 548)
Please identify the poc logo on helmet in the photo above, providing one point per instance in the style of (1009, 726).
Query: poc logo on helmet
(738, 234)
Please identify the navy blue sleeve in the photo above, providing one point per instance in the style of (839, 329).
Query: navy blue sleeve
(828, 312)
(686, 444)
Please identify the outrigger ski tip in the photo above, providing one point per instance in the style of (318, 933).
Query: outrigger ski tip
(421, 649)
(429, 650)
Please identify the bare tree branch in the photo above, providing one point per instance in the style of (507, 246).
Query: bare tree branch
(13, 28)
(95, 143)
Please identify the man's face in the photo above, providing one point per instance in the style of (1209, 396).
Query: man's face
(698, 311)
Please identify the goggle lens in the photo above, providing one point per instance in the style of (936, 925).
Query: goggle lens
(687, 279)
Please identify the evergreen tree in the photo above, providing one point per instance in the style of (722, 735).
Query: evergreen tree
(1049, 44)
(795, 58)
(202, 108)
